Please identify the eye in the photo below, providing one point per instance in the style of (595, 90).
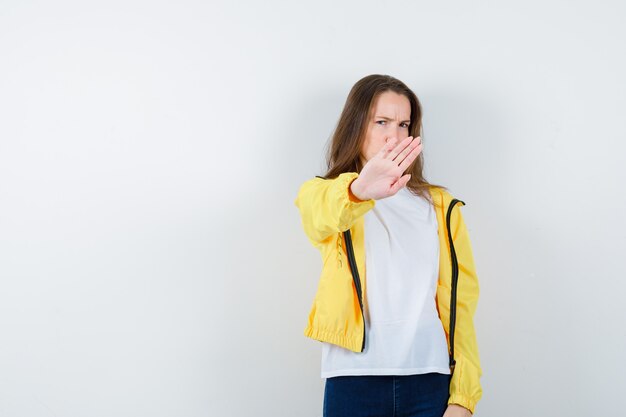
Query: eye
(406, 125)
(380, 121)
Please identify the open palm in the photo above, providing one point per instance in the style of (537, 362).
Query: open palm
(381, 176)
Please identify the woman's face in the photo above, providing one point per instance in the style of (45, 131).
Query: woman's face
(390, 117)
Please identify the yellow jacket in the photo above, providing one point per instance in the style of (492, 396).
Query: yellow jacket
(333, 222)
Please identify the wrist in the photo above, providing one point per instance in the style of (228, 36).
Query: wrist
(466, 411)
(355, 191)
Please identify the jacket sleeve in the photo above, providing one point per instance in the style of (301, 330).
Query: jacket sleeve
(327, 206)
(465, 388)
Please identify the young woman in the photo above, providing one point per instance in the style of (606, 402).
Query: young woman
(401, 342)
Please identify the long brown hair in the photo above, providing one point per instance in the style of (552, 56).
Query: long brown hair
(343, 155)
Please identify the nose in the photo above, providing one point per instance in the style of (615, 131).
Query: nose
(395, 132)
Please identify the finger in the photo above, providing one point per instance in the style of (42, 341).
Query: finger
(406, 150)
(404, 180)
(400, 183)
(399, 148)
(412, 153)
(387, 147)
(410, 158)
(406, 163)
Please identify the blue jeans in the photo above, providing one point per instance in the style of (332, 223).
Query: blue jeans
(422, 395)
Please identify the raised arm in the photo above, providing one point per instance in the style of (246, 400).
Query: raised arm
(328, 206)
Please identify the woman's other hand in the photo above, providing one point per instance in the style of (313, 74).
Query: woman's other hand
(455, 410)
(381, 176)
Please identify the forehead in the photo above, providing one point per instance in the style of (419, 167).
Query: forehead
(391, 104)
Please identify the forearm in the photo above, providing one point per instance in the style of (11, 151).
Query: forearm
(329, 206)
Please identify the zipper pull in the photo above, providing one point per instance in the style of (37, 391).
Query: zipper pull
(339, 250)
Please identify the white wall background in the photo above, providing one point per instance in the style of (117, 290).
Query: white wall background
(152, 262)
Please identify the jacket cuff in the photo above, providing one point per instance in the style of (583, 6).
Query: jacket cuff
(465, 389)
(352, 208)
(463, 401)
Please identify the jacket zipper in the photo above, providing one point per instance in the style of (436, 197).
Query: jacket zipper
(455, 280)
(355, 276)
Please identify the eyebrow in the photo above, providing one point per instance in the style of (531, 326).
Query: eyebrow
(387, 118)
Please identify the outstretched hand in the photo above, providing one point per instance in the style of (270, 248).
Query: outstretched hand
(381, 176)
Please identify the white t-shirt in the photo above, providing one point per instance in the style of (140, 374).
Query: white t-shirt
(404, 334)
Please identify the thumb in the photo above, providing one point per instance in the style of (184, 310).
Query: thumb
(400, 183)
(404, 179)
